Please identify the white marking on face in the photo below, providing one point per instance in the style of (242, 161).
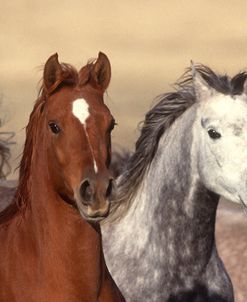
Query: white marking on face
(80, 110)
(95, 166)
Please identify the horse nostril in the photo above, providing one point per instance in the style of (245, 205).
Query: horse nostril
(86, 191)
(110, 188)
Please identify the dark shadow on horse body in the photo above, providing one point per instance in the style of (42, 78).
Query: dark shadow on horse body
(198, 294)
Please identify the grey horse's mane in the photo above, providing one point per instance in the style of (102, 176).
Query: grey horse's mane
(169, 107)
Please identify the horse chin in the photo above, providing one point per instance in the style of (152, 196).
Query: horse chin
(243, 203)
(240, 200)
(93, 215)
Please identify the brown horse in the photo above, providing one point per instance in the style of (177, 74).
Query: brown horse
(48, 251)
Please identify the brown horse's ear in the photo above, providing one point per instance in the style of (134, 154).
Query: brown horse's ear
(52, 74)
(101, 71)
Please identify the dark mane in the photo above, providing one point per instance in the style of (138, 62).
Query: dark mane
(20, 200)
(21, 196)
(169, 107)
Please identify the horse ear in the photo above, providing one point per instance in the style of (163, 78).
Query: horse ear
(101, 72)
(52, 76)
(202, 90)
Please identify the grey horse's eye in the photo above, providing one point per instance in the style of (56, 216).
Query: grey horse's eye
(214, 134)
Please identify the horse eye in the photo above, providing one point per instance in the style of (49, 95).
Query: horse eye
(54, 128)
(112, 125)
(214, 134)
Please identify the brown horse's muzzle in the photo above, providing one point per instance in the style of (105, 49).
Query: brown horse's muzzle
(93, 197)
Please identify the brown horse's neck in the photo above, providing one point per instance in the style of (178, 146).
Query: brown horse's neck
(47, 207)
(50, 249)
(60, 235)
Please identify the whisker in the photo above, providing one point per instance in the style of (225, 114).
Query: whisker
(244, 205)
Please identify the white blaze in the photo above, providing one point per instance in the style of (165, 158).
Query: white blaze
(80, 110)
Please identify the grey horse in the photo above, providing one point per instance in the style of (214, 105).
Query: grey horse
(192, 150)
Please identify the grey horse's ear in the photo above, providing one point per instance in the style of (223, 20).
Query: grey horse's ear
(202, 90)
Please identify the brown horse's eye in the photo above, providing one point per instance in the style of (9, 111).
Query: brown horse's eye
(112, 125)
(54, 128)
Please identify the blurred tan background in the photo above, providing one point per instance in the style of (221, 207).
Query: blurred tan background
(149, 44)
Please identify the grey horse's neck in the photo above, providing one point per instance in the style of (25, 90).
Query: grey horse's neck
(172, 207)
(166, 240)
(176, 194)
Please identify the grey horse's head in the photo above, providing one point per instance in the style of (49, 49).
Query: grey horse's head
(220, 133)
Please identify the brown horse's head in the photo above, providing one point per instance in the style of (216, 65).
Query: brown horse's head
(77, 131)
